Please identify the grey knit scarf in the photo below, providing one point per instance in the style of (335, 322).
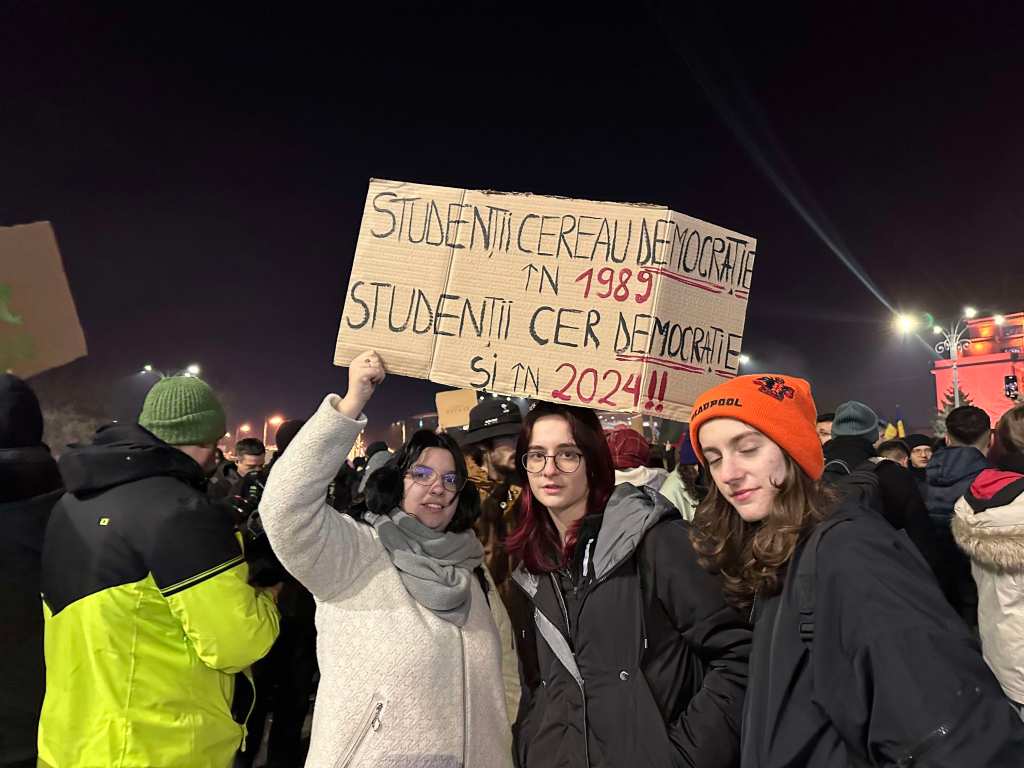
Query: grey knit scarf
(436, 567)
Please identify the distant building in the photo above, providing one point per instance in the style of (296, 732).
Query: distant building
(990, 360)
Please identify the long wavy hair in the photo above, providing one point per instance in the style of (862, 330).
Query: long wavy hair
(752, 557)
(535, 542)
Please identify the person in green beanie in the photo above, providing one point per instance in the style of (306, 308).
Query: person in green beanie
(150, 620)
(183, 411)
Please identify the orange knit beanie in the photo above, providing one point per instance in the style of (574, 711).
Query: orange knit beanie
(778, 406)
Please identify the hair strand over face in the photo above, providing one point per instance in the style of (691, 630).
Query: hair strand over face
(752, 557)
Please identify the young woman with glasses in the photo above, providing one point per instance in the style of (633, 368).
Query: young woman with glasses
(640, 661)
(409, 652)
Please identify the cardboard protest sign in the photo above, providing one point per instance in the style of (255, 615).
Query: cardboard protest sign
(453, 407)
(39, 326)
(610, 306)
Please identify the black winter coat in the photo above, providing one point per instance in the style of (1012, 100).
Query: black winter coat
(641, 662)
(889, 673)
(29, 487)
(902, 505)
(950, 474)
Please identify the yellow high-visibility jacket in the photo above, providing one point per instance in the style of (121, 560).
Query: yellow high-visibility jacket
(149, 614)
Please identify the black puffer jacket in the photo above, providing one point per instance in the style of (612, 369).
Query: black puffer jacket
(640, 660)
(29, 487)
(902, 505)
(878, 672)
(950, 474)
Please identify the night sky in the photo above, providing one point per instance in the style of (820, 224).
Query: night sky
(205, 170)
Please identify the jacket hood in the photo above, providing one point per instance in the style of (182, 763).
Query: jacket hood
(628, 515)
(954, 464)
(638, 476)
(26, 473)
(850, 449)
(989, 520)
(123, 453)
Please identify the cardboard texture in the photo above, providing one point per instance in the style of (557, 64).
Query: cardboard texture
(39, 327)
(453, 407)
(612, 306)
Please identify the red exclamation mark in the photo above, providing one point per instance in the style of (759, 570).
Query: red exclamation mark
(661, 392)
(651, 387)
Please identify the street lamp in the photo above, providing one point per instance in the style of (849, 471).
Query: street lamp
(193, 370)
(954, 339)
(275, 422)
(744, 359)
(905, 324)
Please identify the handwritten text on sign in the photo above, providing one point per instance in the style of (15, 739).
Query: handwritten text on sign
(607, 305)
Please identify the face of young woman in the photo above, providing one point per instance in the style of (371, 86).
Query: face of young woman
(746, 466)
(433, 505)
(554, 488)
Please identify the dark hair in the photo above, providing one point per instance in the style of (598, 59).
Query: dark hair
(476, 451)
(825, 417)
(250, 446)
(656, 458)
(690, 474)
(752, 557)
(385, 488)
(1009, 436)
(968, 424)
(893, 445)
(535, 541)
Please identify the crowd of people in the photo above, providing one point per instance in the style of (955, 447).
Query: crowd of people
(780, 587)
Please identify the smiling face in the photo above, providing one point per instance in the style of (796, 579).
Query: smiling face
(746, 466)
(432, 505)
(557, 490)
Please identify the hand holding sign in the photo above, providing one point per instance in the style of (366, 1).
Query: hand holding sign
(365, 373)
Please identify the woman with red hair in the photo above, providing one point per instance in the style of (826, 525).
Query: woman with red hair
(639, 659)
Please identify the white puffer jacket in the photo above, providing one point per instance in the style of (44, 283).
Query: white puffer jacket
(399, 687)
(989, 526)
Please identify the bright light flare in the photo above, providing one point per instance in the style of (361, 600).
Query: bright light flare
(970, 313)
(905, 324)
(744, 359)
(999, 319)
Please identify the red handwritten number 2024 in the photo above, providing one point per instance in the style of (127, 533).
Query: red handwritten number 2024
(586, 385)
(620, 290)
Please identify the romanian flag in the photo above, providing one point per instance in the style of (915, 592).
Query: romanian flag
(897, 430)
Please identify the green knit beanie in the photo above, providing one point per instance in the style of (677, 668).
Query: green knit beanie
(183, 410)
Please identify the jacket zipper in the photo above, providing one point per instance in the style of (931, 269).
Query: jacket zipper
(371, 722)
(583, 694)
(252, 706)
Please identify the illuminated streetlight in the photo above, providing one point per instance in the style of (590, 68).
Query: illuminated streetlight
(147, 368)
(744, 359)
(970, 313)
(193, 370)
(275, 422)
(998, 319)
(937, 329)
(905, 324)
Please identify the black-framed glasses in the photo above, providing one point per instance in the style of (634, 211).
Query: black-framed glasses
(424, 475)
(566, 461)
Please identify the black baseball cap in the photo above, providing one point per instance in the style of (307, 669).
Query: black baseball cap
(492, 418)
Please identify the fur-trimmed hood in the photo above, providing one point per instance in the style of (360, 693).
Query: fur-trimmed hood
(988, 523)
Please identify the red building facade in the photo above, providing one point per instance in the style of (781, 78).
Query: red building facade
(989, 353)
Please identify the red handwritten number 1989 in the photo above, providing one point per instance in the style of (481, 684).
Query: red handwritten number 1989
(617, 290)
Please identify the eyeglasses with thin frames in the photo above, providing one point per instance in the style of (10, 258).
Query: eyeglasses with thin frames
(424, 475)
(566, 461)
